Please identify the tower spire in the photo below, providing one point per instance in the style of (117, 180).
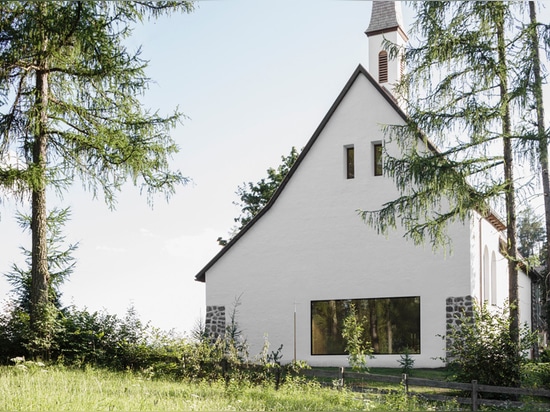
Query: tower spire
(386, 23)
(386, 17)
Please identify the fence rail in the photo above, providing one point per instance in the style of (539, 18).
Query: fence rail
(343, 377)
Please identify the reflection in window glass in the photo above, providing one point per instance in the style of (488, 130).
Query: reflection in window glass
(378, 166)
(392, 325)
(350, 159)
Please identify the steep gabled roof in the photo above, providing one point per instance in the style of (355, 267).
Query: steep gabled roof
(360, 71)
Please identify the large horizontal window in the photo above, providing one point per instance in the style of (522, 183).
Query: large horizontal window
(391, 325)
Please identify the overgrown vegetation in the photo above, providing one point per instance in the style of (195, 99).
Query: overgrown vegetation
(481, 347)
(84, 339)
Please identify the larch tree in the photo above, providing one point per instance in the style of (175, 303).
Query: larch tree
(533, 75)
(461, 91)
(70, 111)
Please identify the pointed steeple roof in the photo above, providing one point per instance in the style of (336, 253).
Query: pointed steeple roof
(386, 16)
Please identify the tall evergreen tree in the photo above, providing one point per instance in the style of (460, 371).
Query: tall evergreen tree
(69, 90)
(461, 89)
(533, 75)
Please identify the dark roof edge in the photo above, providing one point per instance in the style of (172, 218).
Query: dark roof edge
(201, 276)
(396, 28)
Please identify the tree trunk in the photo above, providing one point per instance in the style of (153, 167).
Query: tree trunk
(541, 131)
(509, 182)
(40, 278)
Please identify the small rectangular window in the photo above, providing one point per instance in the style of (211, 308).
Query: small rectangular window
(350, 162)
(378, 165)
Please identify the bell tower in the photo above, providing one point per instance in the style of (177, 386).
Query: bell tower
(386, 23)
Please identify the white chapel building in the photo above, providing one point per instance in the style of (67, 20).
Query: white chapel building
(307, 256)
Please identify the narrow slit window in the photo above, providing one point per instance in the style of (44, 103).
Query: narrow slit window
(378, 165)
(382, 67)
(350, 162)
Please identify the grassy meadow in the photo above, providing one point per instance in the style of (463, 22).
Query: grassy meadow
(61, 389)
(31, 386)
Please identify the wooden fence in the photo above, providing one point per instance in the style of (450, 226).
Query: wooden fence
(352, 379)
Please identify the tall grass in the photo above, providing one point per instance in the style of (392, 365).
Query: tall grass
(60, 389)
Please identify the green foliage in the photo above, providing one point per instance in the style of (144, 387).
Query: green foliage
(536, 375)
(61, 262)
(70, 110)
(406, 362)
(459, 92)
(357, 347)
(39, 341)
(86, 339)
(104, 340)
(254, 196)
(14, 332)
(97, 128)
(481, 348)
(545, 355)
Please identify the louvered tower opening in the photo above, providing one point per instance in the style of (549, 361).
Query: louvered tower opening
(382, 67)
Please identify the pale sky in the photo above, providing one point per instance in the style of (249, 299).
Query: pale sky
(255, 78)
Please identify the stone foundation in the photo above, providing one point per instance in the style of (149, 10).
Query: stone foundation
(215, 321)
(458, 308)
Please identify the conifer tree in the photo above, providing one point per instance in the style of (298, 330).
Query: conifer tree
(461, 89)
(533, 73)
(61, 264)
(254, 196)
(70, 110)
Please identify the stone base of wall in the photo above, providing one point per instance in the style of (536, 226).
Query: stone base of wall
(215, 322)
(458, 309)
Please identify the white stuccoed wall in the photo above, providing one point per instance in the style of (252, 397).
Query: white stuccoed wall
(312, 245)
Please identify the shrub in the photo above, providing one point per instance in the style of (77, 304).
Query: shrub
(481, 348)
(357, 347)
(545, 355)
(536, 375)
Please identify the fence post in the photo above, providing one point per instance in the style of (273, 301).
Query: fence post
(341, 377)
(405, 382)
(474, 395)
